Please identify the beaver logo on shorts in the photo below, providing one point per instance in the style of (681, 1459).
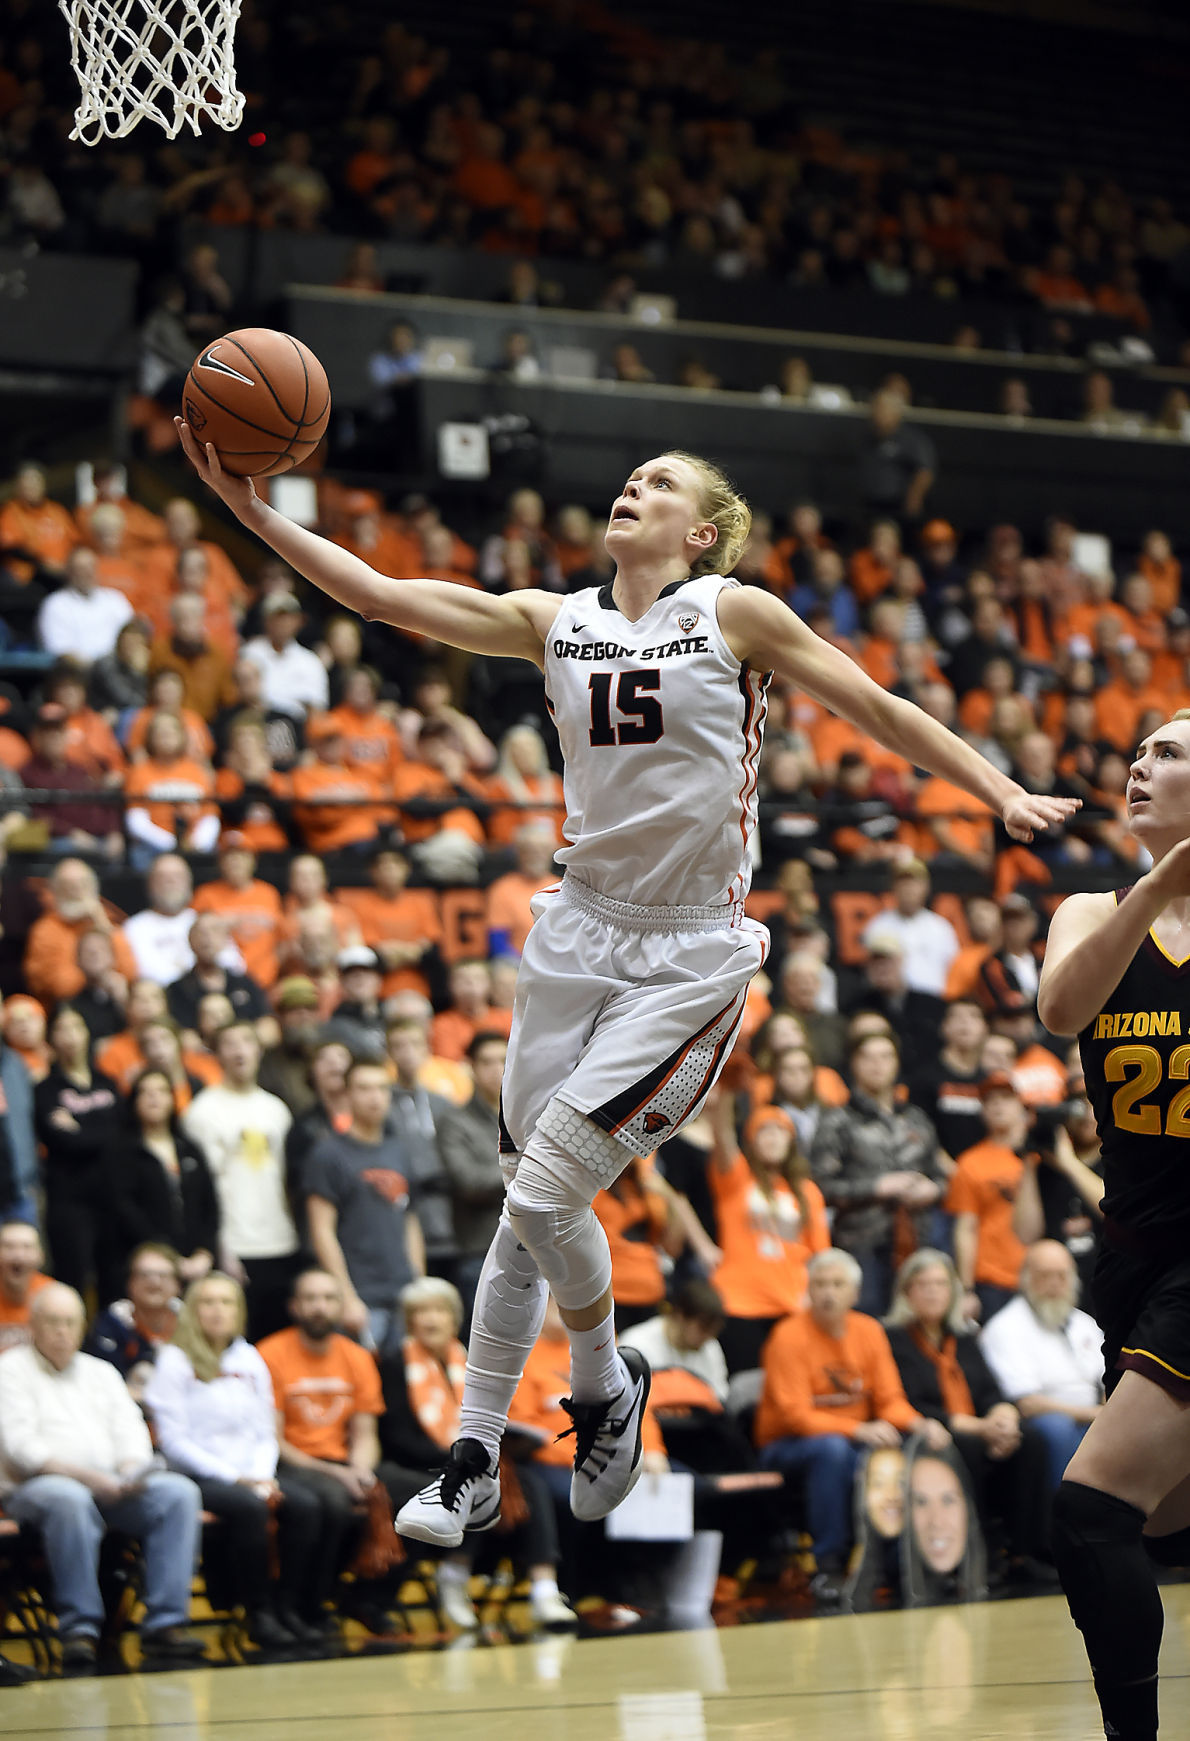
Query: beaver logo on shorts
(687, 621)
(655, 1121)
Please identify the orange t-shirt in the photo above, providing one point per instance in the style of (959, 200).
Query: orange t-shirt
(369, 741)
(91, 743)
(47, 530)
(869, 576)
(15, 1329)
(765, 1243)
(510, 813)
(984, 1184)
(1118, 709)
(1165, 581)
(969, 821)
(317, 1394)
(327, 826)
(963, 975)
(815, 1383)
(51, 968)
(254, 917)
(634, 1223)
(831, 736)
(1038, 1077)
(121, 1058)
(418, 780)
(140, 526)
(410, 917)
(224, 585)
(537, 1404)
(451, 1032)
(15, 750)
(259, 824)
(508, 905)
(1083, 620)
(175, 794)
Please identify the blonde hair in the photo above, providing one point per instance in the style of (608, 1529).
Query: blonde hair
(189, 1335)
(431, 1291)
(725, 508)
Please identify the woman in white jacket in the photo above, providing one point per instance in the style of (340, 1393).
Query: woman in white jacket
(211, 1403)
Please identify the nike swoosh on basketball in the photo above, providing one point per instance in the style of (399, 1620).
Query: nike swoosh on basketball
(210, 361)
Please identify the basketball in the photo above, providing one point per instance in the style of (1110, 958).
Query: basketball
(261, 397)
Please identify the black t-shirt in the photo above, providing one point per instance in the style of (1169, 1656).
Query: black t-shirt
(950, 1099)
(1136, 1062)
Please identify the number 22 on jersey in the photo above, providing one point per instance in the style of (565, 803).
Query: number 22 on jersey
(637, 706)
(1128, 1110)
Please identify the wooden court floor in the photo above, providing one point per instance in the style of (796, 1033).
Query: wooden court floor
(1002, 1669)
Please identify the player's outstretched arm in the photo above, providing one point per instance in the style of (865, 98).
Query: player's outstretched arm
(767, 635)
(515, 625)
(1093, 938)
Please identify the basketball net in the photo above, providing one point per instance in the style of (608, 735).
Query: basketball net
(168, 61)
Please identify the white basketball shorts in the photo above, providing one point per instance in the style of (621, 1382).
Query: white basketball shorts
(624, 1014)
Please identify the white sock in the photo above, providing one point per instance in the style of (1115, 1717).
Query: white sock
(454, 1572)
(540, 1588)
(597, 1374)
(506, 1322)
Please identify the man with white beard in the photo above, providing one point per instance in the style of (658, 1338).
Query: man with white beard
(1046, 1355)
(159, 936)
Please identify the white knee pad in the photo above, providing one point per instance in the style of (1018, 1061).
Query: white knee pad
(511, 1293)
(549, 1207)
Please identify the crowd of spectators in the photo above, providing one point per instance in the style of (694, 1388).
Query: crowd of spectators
(572, 137)
(287, 1058)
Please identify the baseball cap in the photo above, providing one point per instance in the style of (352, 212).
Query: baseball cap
(279, 601)
(884, 943)
(995, 1082)
(359, 955)
(937, 532)
(297, 993)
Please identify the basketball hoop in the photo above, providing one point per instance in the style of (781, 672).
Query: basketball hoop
(168, 61)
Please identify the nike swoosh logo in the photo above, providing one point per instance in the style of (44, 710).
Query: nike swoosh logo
(210, 361)
(600, 1346)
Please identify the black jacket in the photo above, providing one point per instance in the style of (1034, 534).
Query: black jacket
(150, 1205)
(95, 1110)
(920, 1376)
(403, 1439)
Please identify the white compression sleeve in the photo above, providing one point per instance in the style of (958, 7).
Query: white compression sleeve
(506, 1321)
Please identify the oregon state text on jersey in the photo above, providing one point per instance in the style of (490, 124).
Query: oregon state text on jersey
(1136, 1060)
(661, 728)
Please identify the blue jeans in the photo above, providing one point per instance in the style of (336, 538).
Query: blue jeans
(1062, 1439)
(828, 1462)
(164, 1518)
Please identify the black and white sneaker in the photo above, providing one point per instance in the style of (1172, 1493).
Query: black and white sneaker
(464, 1498)
(607, 1443)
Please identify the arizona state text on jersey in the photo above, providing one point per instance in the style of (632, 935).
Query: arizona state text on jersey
(1136, 1060)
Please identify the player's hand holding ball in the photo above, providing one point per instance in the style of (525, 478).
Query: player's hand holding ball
(256, 403)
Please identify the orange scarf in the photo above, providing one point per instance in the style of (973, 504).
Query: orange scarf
(952, 1382)
(435, 1389)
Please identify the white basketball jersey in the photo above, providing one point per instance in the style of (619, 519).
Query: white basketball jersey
(660, 727)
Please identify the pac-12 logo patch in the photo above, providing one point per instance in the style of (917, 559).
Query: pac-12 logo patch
(687, 621)
(655, 1121)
